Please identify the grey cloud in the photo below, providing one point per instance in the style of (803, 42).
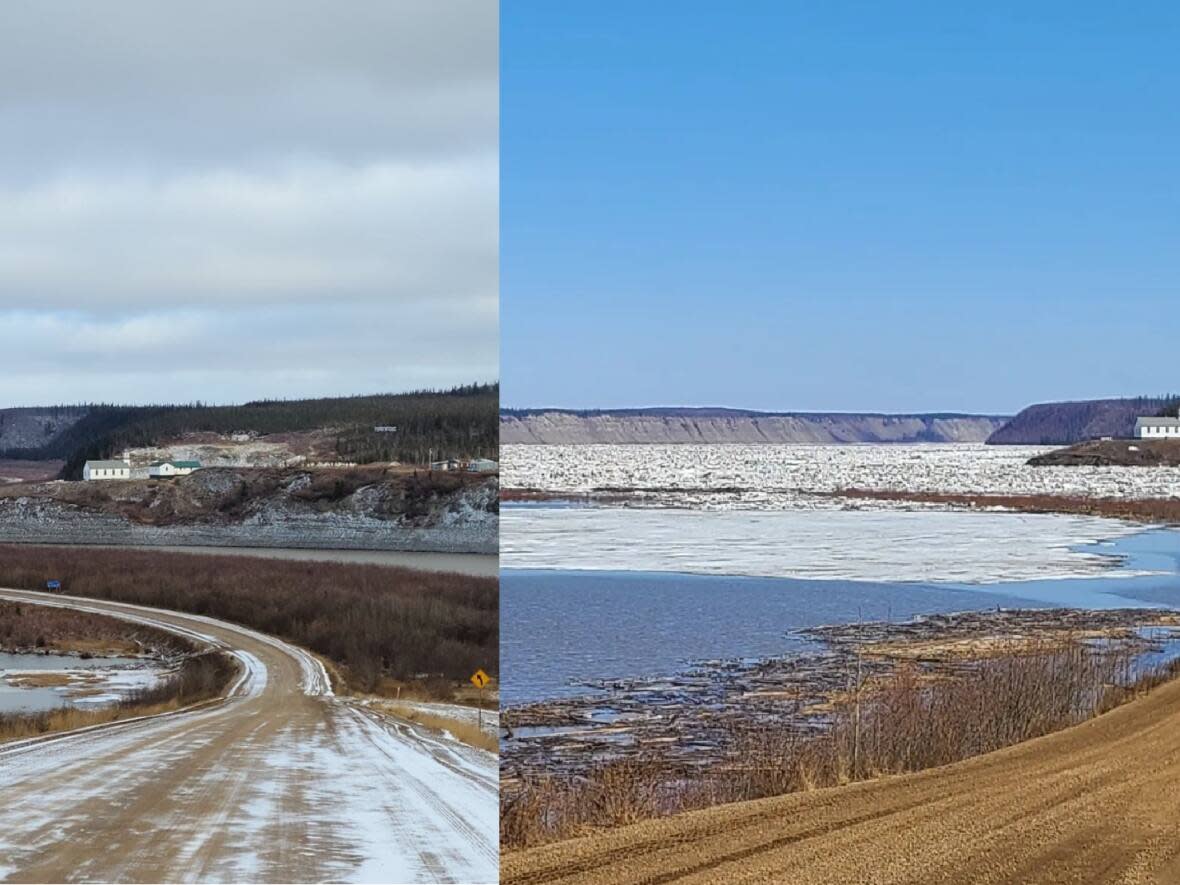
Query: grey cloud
(141, 81)
(247, 197)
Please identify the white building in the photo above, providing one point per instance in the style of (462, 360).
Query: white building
(1157, 428)
(102, 470)
(166, 469)
(483, 465)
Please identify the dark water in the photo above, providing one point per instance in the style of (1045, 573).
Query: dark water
(561, 629)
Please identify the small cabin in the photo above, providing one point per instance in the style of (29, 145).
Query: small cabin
(94, 471)
(169, 469)
(483, 465)
(1157, 428)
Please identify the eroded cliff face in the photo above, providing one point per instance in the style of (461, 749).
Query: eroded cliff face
(243, 508)
(623, 429)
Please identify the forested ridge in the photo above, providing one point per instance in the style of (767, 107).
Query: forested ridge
(461, 422)
(1066, 423)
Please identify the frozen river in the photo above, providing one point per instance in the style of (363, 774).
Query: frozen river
(777, 476)
(723, 551)
(856, 545)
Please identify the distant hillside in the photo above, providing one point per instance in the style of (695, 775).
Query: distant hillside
(34, 428)
(455, 423)
(1071, 422)
(713, 425)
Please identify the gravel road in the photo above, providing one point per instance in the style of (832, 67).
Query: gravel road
(281, 782)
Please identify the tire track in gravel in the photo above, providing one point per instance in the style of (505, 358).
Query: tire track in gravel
(276, 783)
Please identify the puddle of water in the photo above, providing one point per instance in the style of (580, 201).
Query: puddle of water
(119, 676)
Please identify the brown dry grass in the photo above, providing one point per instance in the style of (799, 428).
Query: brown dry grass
(1139, 510)
(104, 647)
(43, 628)
(39, 680)
(70, 719)
(467, 732)
(29, 471)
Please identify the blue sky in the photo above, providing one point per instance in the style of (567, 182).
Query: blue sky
(839, 206)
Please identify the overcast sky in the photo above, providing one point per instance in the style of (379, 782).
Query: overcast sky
(224, 201)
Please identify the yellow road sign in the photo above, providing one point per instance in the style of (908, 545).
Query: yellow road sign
(480, 679)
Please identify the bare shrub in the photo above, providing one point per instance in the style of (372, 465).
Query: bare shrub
(907, 721)
(374, 621)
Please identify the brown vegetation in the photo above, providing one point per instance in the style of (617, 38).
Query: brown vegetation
(373, 621)
(29, 471)
(468, 732)
(26, 628)
(902, 723)
(1113, 453)
(1139, 510)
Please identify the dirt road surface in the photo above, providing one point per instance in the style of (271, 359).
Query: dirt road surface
(1096, 803)
(282, 782)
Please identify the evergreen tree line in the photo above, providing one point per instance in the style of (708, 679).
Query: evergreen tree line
(1171, 407)
(462, 422)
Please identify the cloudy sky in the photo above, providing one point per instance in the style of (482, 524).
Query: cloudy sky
(223, 201)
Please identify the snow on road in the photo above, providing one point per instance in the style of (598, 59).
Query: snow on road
(281, 783)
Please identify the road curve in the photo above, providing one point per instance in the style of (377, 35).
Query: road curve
(281, 782)
(1099, 802)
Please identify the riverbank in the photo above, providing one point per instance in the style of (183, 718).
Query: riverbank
(475, 564)
(882, 698)
(358, 509)
(1144, 510)
(1113, 453)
